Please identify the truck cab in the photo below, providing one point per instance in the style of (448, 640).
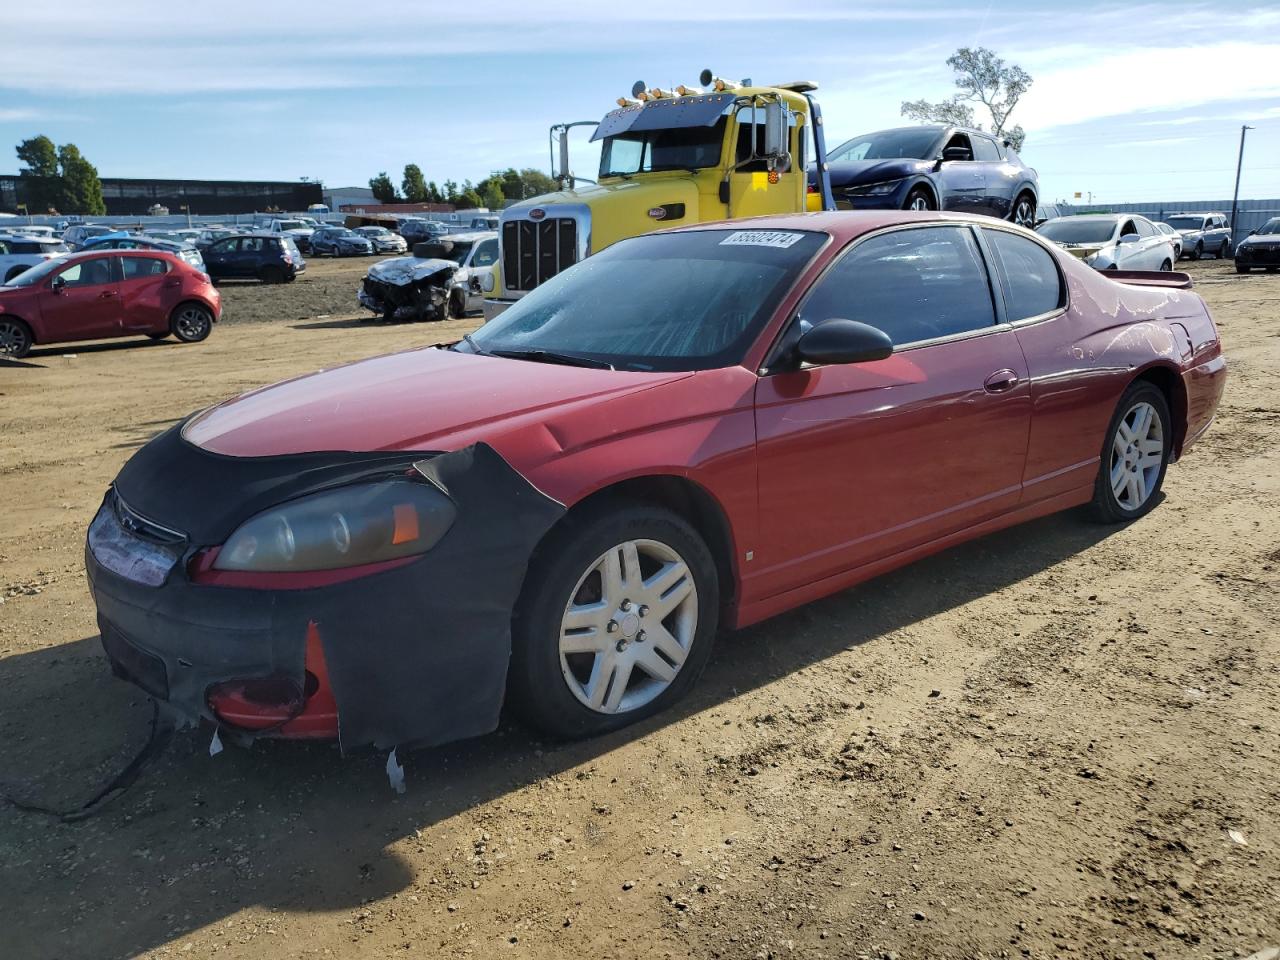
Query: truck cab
(667, 158)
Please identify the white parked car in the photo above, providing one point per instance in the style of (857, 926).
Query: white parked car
(18, 252)
(1173, 235)
(1112, 241)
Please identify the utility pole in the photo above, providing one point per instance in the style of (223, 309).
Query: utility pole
(1235, 197)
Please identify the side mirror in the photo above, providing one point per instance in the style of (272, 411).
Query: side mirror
(1130, 238)
(775, 130)
(956, 153)
(843, 341)
(57, 283)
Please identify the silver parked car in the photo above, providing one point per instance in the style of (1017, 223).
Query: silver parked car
(1112, 241)
(383, 240)
(1202, 233)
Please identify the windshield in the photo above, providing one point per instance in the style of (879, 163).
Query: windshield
(1073, 230)
(1186, 223)
(292, 225)
(675, 301)
(890, 145)
(459, 252)
(1271, 226)
(684, 148)
(375, 231)
(29, 278)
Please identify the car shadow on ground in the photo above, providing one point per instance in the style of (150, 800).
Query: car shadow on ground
(125, 343)
(347, 323)
(294, 826)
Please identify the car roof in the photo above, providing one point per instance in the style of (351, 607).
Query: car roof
(28, 237)
(843, 225)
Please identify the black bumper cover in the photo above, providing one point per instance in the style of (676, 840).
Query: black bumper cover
(417, 654)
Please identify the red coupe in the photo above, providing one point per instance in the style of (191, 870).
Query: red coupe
(690, 430)
(107, 293)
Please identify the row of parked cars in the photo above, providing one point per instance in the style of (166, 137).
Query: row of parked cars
(1126, 241)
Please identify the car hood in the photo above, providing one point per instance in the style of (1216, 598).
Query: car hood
(1083, 250)
(851, 173)
(1195, 231)
(1260, 238)
(399, 271)
(425, 399)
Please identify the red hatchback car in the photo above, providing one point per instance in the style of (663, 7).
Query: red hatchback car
(108, 293)
(689, 430)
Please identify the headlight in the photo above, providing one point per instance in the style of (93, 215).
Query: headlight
(347, 527)
(876, 189)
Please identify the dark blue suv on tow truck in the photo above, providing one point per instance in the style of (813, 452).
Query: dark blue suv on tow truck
(933, 167)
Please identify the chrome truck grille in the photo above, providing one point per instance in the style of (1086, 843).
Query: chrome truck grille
(534, 251)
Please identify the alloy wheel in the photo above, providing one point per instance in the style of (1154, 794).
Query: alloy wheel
(921, 202)
(192, 323)
(1137, 455)
(13, 339)
(1024, 214)
(628, 626)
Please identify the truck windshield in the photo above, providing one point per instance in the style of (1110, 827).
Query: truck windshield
(692, 300)
(681, 148)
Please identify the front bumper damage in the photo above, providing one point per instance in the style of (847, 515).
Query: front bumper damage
(414, 654)
(408, 288)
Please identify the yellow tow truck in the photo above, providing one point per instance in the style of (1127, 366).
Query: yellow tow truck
(724, 150)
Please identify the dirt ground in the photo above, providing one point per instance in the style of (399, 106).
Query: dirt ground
(1063, 739)
(326, 289)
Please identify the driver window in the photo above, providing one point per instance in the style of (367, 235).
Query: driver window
(916, 284)
(1128, 228)
(959, 141)
(87, 273)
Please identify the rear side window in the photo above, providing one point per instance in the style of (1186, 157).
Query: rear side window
(250, 244)
(1030, 279)
(1144, 229)
(486, 254)
(915, 285)
(984, 149)
(136, 268)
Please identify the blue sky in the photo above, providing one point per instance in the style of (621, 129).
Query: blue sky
(1131, 102)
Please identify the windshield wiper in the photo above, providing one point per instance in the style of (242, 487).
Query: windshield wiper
(480, 351)
(550, 356)
(617, 173)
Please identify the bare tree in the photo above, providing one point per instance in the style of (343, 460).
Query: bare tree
(982, 77)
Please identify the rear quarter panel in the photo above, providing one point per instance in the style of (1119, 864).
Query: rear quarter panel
(1082, 361)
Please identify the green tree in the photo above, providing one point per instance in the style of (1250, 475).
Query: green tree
(40, 168)
(414, 184)
(81, 189)
(449, 192)
(536, 182)
(384, 191)
(981, 77)
(490, 192)
(468, 199)
(433, 193)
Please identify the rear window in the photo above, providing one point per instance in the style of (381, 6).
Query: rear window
(135, 268)
(1028, 274)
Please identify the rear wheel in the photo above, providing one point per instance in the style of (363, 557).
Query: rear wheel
(919, 199)
(191, 322)
(615, 622)
(272, 275)
(1167, 265)
(1135, 455)
(15, 338)
(1024, 211)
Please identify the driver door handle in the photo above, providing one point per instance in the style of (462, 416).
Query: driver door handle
(108, 294)
(1001, 381)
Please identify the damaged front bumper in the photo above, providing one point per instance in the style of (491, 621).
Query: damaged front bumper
(413, 652)
(407, 288)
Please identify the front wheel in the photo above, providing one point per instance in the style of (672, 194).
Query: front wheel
(1135, 455)
(1198, 252)
(615, 622)
(1167, 265)
(457, 306)
(15, 338)
(191, 323)
(919, 199)
(1241, 268)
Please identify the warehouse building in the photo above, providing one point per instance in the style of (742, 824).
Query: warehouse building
(134, 197)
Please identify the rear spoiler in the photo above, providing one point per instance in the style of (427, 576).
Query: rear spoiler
(1151, 278)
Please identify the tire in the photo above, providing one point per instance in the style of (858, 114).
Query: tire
(15, 338)
(1129, 480)
(1024, 211)
(1198, 252)
(1166, 266)
(1240, 268)
(272, 275)
(554, 688)
(457, 306)
(191, 322)
(1224, 250)
(919, 199)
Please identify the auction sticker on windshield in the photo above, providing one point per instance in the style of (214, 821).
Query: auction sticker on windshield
(761, 238)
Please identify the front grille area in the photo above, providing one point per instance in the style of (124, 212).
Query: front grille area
(535, 251)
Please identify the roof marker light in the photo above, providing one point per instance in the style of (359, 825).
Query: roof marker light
(688, 91)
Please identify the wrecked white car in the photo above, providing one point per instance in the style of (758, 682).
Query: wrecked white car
(441, 279)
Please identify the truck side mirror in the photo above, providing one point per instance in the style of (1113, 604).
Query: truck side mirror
(775, 130)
